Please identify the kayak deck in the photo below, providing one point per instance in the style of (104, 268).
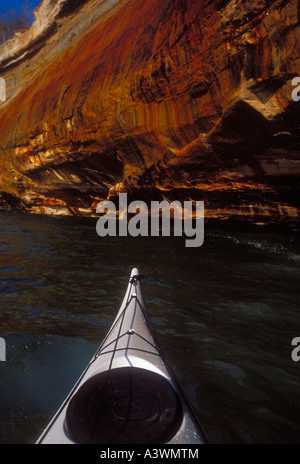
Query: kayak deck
(128, 393)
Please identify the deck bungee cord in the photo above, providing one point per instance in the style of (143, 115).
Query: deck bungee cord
(128, 393)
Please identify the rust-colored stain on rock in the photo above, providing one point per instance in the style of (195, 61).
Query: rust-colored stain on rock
(173, 99)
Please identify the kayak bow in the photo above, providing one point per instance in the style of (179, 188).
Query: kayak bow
(127, 393)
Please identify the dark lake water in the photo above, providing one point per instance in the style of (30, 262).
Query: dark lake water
(224, 313)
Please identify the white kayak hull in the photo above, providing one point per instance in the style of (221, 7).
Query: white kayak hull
(128, 393)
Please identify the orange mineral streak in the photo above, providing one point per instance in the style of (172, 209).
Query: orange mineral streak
(184, 97)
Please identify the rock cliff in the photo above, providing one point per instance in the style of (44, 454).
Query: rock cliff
(173, 99)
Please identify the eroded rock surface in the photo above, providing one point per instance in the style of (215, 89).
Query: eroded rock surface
(173, 99)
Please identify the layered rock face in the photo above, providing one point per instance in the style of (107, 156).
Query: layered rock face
(163, 99)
